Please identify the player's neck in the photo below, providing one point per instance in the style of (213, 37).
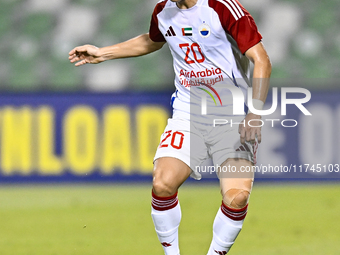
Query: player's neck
(186, 4)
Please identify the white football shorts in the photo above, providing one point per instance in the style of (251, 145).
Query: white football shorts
(193, 143)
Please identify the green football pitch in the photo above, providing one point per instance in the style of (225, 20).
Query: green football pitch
(115, 219)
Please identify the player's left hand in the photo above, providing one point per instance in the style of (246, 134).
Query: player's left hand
(250, 132)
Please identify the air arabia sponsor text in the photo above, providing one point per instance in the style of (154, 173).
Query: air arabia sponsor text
(194, 77)
(200, 74)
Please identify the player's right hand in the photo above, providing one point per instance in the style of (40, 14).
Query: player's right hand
(250, 133)
(86, 54)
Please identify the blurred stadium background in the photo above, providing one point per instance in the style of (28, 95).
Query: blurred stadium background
(302, 38)
(100, 125)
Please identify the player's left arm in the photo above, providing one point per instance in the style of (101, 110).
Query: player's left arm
(262, 70)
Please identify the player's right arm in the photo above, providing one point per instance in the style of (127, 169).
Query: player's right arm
(90, 54)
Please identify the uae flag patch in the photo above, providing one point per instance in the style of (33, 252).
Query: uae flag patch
(187, 31)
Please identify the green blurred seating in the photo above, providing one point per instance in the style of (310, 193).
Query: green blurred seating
(123, 19)
(64, 76)
(38, 25)
(5, 18)
(23, 75)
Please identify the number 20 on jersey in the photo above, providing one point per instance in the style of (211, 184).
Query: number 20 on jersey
(193, 53)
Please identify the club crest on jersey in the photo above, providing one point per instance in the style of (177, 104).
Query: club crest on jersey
(204, 30)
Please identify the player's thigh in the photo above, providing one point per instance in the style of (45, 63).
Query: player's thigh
(239, 180)
(168, 175)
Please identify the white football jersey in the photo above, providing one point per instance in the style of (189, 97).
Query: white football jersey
(207, 42)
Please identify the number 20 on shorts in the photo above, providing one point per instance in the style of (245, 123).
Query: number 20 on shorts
(175, 138)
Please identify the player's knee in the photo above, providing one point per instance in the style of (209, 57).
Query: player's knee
(236, 198)
(162, 188)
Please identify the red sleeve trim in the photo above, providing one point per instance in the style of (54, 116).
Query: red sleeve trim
(154, 33)
(237, 22)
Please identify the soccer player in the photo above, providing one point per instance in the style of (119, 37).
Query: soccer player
(211, 42)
